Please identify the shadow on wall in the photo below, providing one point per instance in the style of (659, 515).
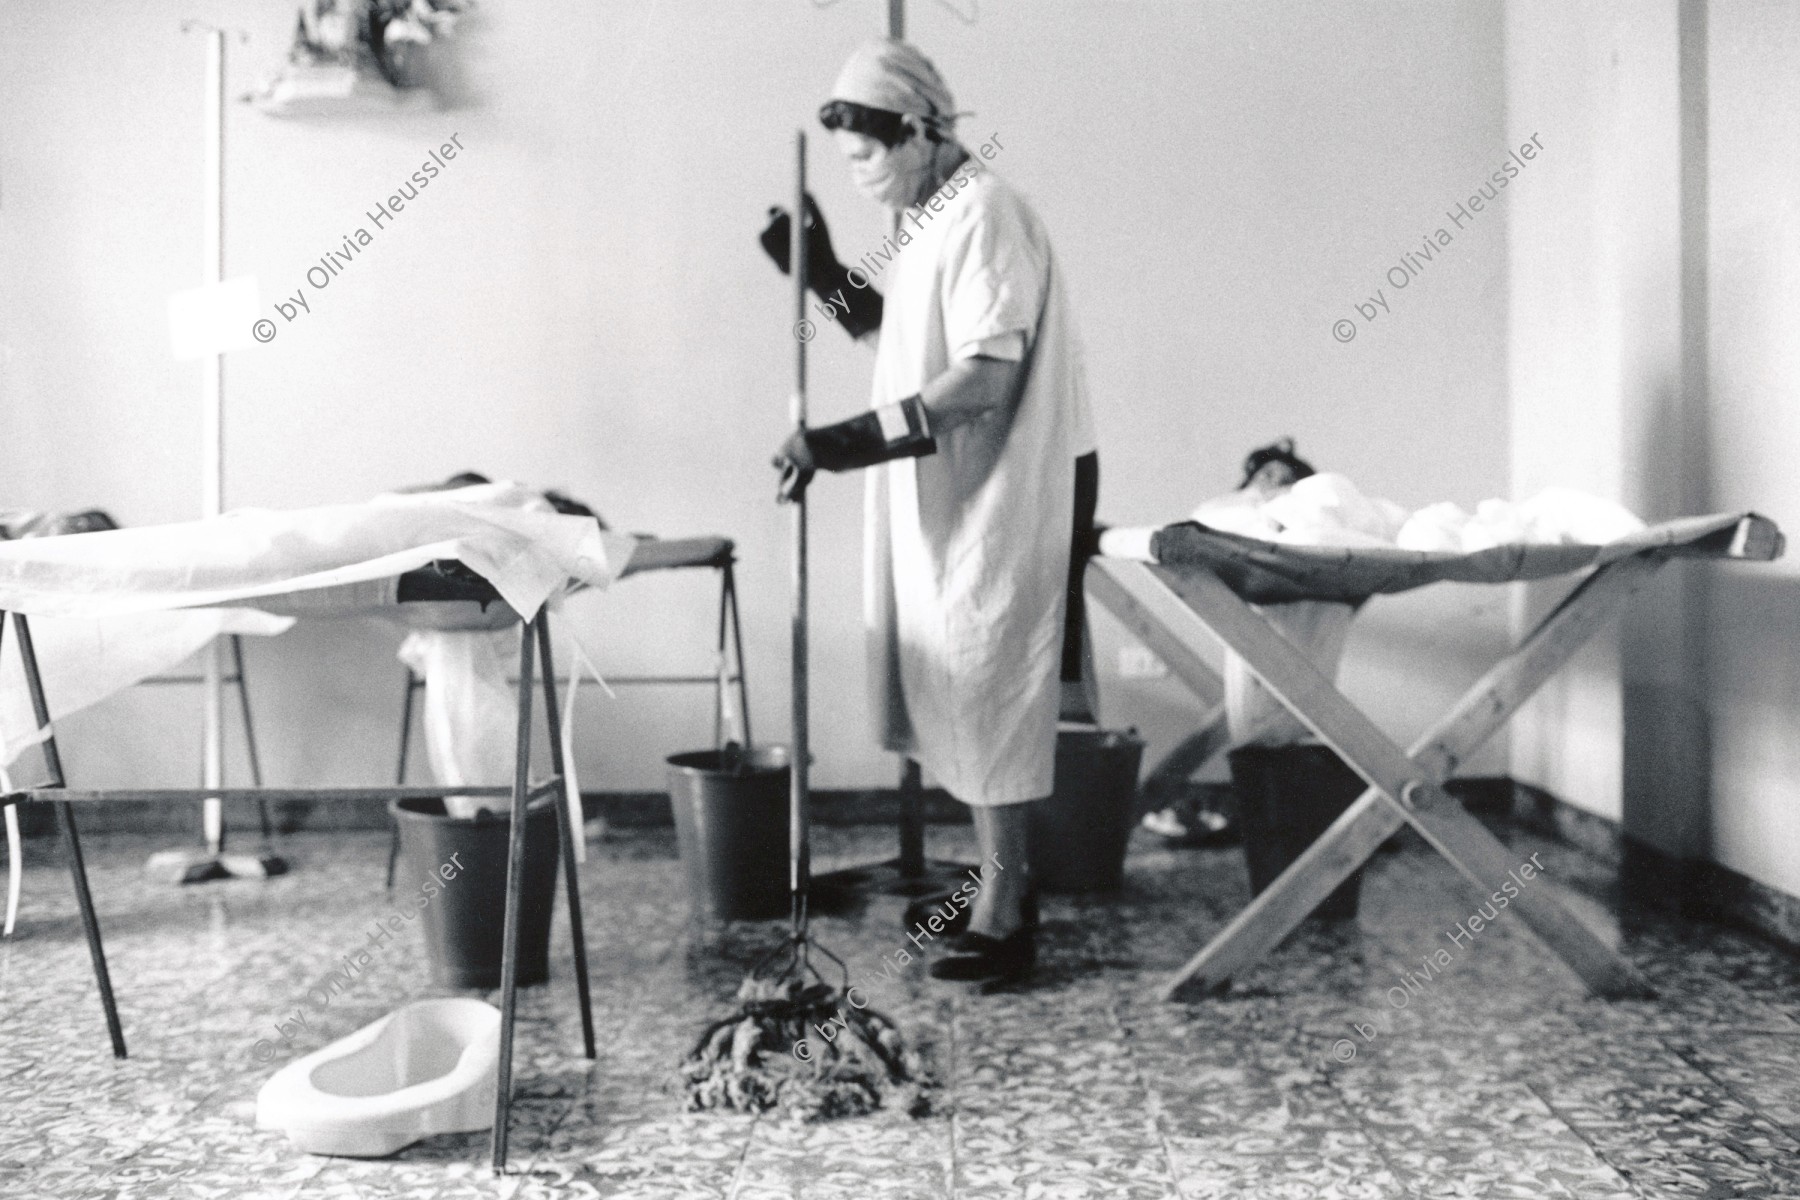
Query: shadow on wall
(444, 67)
(1752, 690)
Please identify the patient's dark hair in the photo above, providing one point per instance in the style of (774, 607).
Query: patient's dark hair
(888, 128)
(1281, 451)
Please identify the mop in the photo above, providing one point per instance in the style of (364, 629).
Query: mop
(796, 1042)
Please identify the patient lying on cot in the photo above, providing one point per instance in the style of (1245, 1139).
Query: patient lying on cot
(465, 656)
(1282, 499)
(24, 523)
(1260, 507)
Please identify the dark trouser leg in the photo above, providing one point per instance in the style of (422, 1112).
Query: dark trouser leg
(1078, 703)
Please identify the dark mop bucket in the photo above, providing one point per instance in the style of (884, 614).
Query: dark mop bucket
(731, 824)
(465, 922)
(1288, 796)
(1077, 837)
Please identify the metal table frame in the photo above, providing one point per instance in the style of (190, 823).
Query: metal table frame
(534, 650)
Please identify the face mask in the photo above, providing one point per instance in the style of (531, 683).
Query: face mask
(892, 178)
(873, 176)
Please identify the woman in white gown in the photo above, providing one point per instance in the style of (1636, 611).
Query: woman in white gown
(979, 413)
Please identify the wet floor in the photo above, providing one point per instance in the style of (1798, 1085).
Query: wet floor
(1498, 1077)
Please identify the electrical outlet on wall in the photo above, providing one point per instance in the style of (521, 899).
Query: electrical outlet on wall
(1138, 662)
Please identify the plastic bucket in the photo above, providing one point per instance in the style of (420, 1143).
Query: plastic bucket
(464, 920)
(1077, 836)
(731, 824)
(1287, 797)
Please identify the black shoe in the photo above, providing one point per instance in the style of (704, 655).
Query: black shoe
(987, 959)
(956, 920)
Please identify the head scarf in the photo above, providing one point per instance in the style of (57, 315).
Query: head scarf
(889, 74)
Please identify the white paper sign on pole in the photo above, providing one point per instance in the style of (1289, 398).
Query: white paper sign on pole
(215, 318)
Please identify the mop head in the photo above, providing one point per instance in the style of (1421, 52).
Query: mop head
(774, 1053)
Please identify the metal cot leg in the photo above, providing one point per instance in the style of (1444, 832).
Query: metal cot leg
(737, 653)
(90, 924)
(720, 671)
(515, 870)
(65, 814)
(243, 691)
(406, 721)
(571, 831)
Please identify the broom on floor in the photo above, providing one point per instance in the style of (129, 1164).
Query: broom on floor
(795, 1041)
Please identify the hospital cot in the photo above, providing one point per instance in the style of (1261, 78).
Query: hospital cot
(446, 559)
(1177, 586)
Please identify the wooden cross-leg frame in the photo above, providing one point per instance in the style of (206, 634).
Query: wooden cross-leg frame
(1148, 614)
(1404, 788)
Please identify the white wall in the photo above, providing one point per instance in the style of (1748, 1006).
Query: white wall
(1752, 632)
(579, 301)
(1653, 359)
(1594, 322)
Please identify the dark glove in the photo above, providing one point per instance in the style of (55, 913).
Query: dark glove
(795, 462)
(899, 430)
(858, 309)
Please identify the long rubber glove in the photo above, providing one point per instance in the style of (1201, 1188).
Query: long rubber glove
(899, 430)
(857, 309)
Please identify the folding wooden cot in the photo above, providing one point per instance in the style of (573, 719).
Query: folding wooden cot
(1176, 587)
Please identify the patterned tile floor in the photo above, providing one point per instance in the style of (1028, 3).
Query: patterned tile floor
(1499, 1078)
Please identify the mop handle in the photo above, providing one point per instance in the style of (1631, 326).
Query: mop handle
(799, 850)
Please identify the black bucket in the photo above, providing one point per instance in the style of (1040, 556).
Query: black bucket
(1287, 797)
(731, 823)
(464, 920)
(1077, 837)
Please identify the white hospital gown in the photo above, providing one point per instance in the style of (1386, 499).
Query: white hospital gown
(967, 550)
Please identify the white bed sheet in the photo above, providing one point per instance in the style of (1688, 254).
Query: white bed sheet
(114, 608)
(242, 556)
(83, 660)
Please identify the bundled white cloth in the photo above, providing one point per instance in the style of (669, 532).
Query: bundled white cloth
(471, 713)
(1329, 510)
(1320, 510)
(1555, 516)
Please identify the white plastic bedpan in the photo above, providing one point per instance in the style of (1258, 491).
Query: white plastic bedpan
(426, 1068)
